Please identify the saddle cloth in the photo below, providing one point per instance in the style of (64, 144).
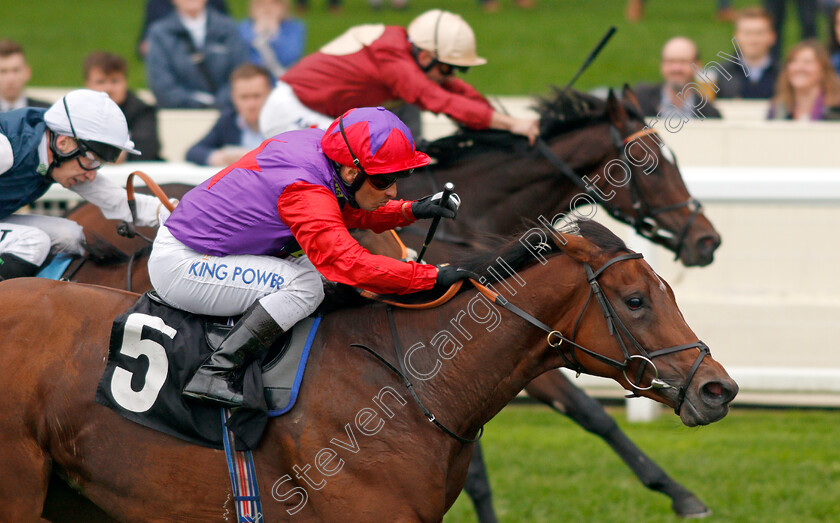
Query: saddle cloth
(154, 349)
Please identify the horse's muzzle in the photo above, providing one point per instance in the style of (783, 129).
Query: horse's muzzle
(707, 401)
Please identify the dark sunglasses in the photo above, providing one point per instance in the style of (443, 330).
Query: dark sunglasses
(384, 181)
(448, 69)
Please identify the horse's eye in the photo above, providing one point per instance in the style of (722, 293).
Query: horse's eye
(634, 303)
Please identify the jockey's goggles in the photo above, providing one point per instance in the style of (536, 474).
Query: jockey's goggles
(384, 181)
(449, 69)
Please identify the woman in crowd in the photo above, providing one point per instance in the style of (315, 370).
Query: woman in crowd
(808, 88)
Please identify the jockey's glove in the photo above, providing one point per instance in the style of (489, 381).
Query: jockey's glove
(429, 207)
(449, 274)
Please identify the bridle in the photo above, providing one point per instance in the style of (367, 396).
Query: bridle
(616, 328)
(556, 339)
(643, 221)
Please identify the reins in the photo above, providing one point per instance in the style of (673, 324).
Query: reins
(129, 229)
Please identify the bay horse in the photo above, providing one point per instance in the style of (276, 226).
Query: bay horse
(391, 463)
(592, 151)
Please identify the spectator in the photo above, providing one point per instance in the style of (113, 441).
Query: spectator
(191, 55)
(14, 74)
(807, 10)
(237, 131)
(109, 73)
(276, 40)
(834, 38)
(676, 95)
(157, 9)
(808, 88)
(755, 36)
(371, 64)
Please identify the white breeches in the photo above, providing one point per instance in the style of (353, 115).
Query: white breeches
(289, 289)
(283, 112)
(33, 237)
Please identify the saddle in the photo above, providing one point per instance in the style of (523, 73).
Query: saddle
(156, 348)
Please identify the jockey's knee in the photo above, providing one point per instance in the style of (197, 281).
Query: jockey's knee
(310, 287)
(68, 237)
(30, 244)
(299, 298)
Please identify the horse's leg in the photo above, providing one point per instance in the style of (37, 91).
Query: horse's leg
(25, 473)
(477, 487)
(556, 391)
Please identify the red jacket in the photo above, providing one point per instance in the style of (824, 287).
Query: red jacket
(382, 71)
(320, 227)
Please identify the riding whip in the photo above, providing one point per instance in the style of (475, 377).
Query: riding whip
(448, 189)
(591, 58)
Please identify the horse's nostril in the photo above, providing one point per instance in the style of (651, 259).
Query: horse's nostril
(714, 388)
(708, 243)
(719, 392)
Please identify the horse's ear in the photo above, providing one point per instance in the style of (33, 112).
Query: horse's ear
(630, 96)
(616, 111)
(578, 248)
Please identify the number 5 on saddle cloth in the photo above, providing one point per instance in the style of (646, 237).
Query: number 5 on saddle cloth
(155, 348)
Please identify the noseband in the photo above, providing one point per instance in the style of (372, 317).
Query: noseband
(616, 328)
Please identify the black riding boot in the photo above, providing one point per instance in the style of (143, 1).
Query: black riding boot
(219, 378)
(12, 266)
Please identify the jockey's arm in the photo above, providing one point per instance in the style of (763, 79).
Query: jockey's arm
(112, 200)
(316, 221)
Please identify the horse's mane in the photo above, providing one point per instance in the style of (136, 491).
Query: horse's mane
(516, 255)
(561, 112)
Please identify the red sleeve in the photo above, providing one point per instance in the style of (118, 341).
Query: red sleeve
(407, 82)
(315, 219)
(458, 86)
(385, 218)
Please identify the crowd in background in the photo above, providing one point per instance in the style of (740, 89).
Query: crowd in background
(197, 56)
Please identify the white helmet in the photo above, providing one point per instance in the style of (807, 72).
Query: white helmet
(93, 119)
(447, 36)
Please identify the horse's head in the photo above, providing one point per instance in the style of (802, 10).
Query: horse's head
(635, 176)
(629, 328)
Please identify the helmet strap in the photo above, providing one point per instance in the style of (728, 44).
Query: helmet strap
(58, 157)
(360, 178)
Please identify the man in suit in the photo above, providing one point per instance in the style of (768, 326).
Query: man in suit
(14, 74)
(755, 36)
(236, 131)
(678, 96)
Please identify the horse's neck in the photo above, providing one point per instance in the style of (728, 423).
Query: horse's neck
(502, 355)
(503, 188)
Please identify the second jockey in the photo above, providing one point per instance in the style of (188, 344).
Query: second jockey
(253, 238)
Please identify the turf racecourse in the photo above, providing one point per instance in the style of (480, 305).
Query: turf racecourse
(527, 50)
(754, 465)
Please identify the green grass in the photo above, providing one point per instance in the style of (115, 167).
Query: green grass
(755, 465)
(527, 50)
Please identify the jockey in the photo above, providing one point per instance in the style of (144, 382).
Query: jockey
(371, 64)
(253, 238)
(64, 144)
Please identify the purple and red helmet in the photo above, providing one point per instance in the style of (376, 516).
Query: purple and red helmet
(375, 136)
